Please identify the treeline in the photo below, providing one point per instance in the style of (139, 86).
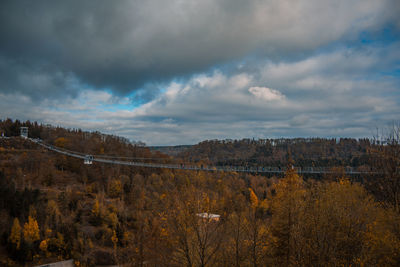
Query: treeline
(78, 140)
(54, 207)
(305, 152)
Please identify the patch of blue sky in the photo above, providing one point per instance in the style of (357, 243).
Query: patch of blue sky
(393, 73)
(387, 35)
(134, 100)
(384, 37)
(118, 107)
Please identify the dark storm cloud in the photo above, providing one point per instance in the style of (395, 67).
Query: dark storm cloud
(41, 81)
(106, 44)
(124, 45)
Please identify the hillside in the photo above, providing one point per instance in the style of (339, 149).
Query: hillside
(54, 207)
(170, 150)
(276, 152)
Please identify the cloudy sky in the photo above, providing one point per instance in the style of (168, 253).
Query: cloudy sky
(181, 71)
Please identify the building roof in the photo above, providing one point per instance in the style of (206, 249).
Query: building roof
(206, 215)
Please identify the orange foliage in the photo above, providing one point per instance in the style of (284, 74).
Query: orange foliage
(15, 236)
(61, 142)
(31, 230)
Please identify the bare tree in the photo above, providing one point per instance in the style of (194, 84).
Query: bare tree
(385, 162)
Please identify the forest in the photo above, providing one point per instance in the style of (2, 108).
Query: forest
(304, 152)
(54, 207)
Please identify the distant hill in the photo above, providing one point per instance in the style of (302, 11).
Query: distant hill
(170, 150)
(54, 207)
(276, 152)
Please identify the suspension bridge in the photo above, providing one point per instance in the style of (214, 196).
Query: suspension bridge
(88, 159)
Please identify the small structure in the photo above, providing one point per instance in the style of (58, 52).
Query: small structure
(24, 132)
(88, 159)
(68, 263)
(209, 217)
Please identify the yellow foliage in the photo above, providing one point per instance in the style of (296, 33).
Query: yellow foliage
(96, 208)
(115, 188)
(264, 205)
(15, 236)
(344, 181)
(382, 245)
(286, 206)
(164, 232)
(253, 199)
(114, 239)
(31, 230)
(43, 245)
(61, 142)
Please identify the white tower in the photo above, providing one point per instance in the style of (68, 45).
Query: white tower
(24, 132)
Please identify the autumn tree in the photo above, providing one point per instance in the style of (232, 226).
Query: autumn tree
(31, 235)
(61, 142)
(115, 188)
(139, 239)
(53, 217)
(96, 215)
(15, 236)
(196, 236)
(114, 240)
(385, 161)
(382, 240)
(31, 230)
(256, 230)
(332, 228)
(237, 229)
(287, 210)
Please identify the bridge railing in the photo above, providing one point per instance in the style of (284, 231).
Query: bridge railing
(250, 169)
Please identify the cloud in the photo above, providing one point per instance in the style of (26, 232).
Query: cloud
(324, 100)
(321, 98)
(37, 82)
(266, 93)
(128, 46)
(174, 72)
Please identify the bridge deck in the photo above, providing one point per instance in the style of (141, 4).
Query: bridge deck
(253, 169)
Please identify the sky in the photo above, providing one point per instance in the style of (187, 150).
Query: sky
(182, 71)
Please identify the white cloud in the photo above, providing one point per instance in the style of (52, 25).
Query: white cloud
(266, 93)
(315, 96)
